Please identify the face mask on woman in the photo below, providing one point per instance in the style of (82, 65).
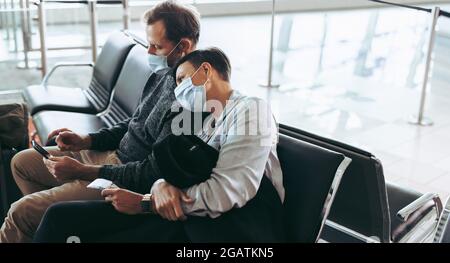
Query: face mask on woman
(157, 63)
(190, 96)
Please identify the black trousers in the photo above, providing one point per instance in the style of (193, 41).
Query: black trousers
(260, 220)
(98, 221)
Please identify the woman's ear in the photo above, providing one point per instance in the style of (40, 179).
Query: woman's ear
(207, 68)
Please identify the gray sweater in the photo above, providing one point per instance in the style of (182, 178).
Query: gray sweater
(133, 138)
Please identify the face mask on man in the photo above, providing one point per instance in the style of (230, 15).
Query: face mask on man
(190, 96)
(157, 63)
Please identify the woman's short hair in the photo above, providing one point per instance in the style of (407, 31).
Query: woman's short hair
(214, 56)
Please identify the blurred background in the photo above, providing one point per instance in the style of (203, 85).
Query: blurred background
(347, 70)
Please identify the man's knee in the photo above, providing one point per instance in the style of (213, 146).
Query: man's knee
(26, 210)
(19, 162)
(16, 211)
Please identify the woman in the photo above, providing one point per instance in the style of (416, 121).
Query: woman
(242, 199)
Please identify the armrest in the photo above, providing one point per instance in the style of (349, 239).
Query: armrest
(64, 64)
(419, 203)
(419, 219)
(336, 233)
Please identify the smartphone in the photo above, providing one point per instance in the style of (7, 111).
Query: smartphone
(40, 150)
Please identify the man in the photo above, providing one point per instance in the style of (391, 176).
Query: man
(123, 153)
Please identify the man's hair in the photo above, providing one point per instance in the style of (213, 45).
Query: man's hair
(180, 21)
(214, 56)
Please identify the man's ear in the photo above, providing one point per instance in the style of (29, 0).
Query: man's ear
(185, 46)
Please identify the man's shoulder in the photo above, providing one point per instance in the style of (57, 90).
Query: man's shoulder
(164, 78)
(160, 81)
(164, 73)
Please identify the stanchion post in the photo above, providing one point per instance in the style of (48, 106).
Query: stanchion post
(14, 26)
(29, 25)
(126, 15)
(269, 83)
(26, 64)
(42, 33)
(93, 23)
(5, 4)
(2, 22)
(420, 119)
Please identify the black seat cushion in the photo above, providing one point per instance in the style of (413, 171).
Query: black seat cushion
(41, 97)
(308, 174)
(47, 121)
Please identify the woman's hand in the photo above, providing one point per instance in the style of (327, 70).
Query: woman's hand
(166, 201)
(123, 200)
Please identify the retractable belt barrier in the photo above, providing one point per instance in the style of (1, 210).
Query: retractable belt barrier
(428, 10)
(420, 119)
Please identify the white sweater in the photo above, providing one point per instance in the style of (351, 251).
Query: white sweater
(246, 136)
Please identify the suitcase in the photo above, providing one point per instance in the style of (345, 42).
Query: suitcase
(9, 192)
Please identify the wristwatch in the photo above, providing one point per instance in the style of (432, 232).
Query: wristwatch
(146, 204)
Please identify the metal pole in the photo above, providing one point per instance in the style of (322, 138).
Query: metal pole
(6, 19)
(126, 15)
(42, 29)
(14, 26)
(421, 119)
(93, 22)
(2, 22)
(29, 25)
(24, 26)
(26, 35)
(269, 83)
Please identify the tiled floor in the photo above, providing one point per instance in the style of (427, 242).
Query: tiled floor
(350, 75)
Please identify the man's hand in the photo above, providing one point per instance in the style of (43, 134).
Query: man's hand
(123, 200)
(56, 132)
(67, 140)
(167, 201)
(66, 168)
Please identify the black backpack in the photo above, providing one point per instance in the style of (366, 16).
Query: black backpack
(14, 126)
(13, 138)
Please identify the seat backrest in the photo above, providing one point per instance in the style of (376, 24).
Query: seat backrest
(107, 69)
(361, 203)
(130, 84)
(311, 176)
